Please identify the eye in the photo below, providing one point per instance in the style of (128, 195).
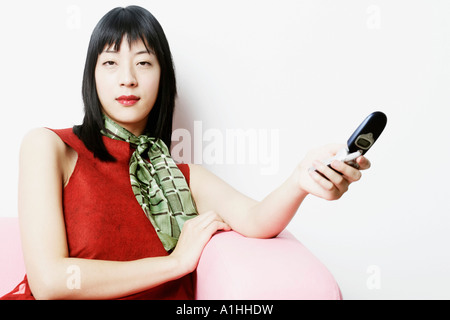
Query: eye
(144, 64)
(109, 63)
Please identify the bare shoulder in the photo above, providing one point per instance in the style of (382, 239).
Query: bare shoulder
(43, 148)
(42, 140)
(42, 145)
(41, 137)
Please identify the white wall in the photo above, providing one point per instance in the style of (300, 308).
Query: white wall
(296, 74)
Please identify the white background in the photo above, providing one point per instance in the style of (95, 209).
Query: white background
(313, 70)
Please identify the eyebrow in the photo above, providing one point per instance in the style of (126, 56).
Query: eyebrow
(137, 53)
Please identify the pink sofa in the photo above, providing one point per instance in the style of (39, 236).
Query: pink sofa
(231, 267)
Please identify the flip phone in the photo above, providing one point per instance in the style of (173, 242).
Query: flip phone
(367, 133)
(362, 139)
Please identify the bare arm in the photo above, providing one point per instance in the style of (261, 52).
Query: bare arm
(41, 179)
(247, 216)
(267, 218)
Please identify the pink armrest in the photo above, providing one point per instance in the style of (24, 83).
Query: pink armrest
(231, 267)
(235, 267)
(12, 268)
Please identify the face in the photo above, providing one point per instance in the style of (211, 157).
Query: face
(127, 84)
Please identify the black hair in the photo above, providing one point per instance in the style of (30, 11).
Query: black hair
(137, 24)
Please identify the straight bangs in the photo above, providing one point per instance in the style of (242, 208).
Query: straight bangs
(125, 23)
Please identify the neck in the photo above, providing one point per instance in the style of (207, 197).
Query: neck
(136, 128)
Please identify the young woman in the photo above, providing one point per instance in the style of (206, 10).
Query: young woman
(105, 202)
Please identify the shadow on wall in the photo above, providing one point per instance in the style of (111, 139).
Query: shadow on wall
(183, 122)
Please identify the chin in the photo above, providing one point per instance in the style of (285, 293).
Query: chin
(128, 116)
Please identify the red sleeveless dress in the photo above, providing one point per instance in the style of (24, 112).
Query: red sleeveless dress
(104, 221)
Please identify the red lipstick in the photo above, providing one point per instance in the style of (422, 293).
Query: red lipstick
(128, 100)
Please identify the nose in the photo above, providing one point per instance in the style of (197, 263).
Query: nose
(128, 77)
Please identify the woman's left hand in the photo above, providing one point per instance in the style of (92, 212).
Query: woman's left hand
(325, 182)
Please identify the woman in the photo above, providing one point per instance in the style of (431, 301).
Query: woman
(81, 220)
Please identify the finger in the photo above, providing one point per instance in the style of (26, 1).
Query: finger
(211, 229)
(199, 222)
(209, 218)
(363, 163)
(320, 177)
(337, 179)
(217, 225)
(350, 173)
(195, 221)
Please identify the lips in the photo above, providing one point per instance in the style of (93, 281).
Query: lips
(128, 100)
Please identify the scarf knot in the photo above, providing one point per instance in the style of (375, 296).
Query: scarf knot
(157, 183)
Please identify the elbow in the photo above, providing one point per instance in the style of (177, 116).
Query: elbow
(260, 229)
(259, 233)
(262, 235)
(43, 295)
(43, 288)
(48, 286)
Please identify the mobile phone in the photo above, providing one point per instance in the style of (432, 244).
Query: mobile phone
(367, 133)
(362, 139)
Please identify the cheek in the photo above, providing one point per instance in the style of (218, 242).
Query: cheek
(100, 84)
(105, 88)
(151, 85)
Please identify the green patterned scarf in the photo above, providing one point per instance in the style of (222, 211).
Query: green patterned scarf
(159, 186)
